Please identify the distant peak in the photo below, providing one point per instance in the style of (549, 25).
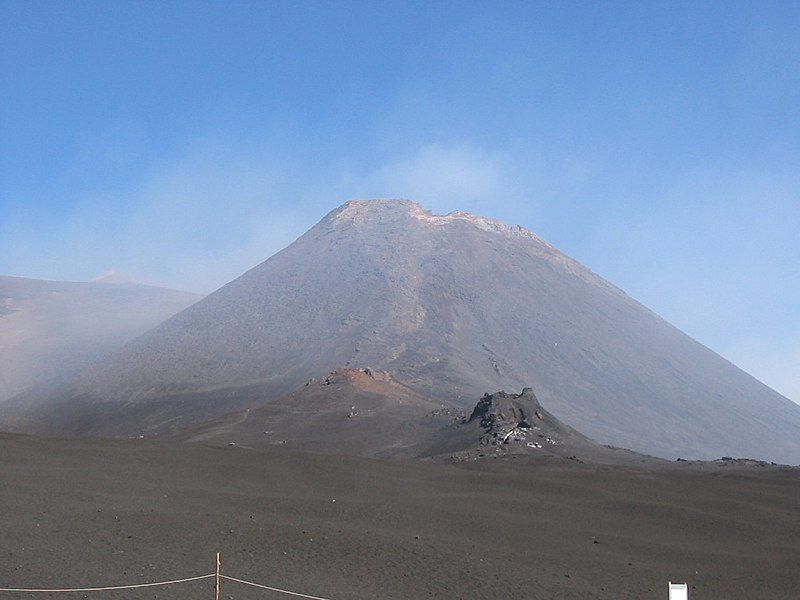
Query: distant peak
(117, 277)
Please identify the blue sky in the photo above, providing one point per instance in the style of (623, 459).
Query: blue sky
(657, 143)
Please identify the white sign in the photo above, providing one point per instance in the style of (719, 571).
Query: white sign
(678, 591)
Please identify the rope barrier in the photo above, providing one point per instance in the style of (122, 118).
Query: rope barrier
(216, 575)
(109, 588)
(266, 587)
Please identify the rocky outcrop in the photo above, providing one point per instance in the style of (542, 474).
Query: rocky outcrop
(503, 410)
(510, 419)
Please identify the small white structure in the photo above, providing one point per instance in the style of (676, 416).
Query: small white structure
(678, 591)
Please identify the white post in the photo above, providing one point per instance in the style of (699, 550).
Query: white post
(678, 591)
(216, 587)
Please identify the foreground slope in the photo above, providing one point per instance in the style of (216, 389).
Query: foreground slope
(351, 411)
(49, 329)
(453, 306)
(363, 413)
(80, 513)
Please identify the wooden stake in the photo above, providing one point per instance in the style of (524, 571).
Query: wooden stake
(216, 587)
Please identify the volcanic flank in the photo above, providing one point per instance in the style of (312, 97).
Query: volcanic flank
(450, 306)
(352, 411)
(361, 412)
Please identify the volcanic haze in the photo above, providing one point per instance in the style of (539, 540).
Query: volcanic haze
(51, 329)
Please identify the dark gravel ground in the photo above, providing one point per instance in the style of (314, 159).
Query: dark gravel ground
(80, 513)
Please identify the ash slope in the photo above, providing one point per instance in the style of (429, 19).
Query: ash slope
(359, 412)
(351, 411)
(453, 306)
(139, 510)
(51, 329)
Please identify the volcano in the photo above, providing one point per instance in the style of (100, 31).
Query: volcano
(451, 306)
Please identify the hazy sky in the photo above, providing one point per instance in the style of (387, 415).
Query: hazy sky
(657, 143)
